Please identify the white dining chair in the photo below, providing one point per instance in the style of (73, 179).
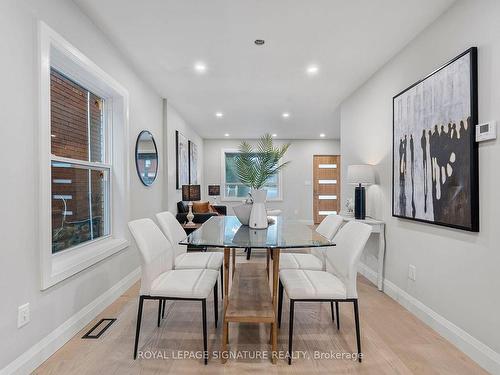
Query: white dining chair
(159, 281)
(182, 259)
(316, 259)
(336, 284)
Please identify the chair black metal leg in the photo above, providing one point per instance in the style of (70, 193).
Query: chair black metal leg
(138, 328)
(222, 281)
(358, 335)
(216, 305)
(338, 315)
(160, 304)
(204, 313)
(290, 331)
(164, 303)
(280, 303)
(331, 307)
(249, 252)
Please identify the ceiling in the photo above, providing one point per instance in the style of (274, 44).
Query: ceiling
(253, 85)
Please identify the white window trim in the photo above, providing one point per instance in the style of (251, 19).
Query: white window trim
(223, 198)
(55, 51)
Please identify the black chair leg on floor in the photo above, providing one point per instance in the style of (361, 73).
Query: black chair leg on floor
(222, 282)
(290, 332)
(160, 304)
(338, 315)
(249, 252)
(331, 307)
(204, 313)
(216, 305)
(358, 335)
(280, 303)
(138, 328)
(164, 303)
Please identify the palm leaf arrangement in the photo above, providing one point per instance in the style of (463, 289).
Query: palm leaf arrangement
(254, 166)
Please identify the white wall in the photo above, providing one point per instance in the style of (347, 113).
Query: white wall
(457, 271)
(173, 121)
(19, 251)
(297, 176)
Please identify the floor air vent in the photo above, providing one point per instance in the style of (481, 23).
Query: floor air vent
(97, 330)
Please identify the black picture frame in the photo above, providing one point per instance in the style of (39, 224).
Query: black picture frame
(193, 163)
(473, 167)
(181, 166)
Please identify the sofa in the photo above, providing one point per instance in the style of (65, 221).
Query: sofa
(199, 218)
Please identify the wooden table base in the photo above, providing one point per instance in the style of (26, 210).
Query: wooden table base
(250, 300)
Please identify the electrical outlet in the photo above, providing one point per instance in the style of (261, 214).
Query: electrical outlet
(412, 272)
(23, 315)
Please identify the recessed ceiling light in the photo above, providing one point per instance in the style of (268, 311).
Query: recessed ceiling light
(275, 135)
(322, 135)
(226, 135)
(259, 42)
(200, 67)
(219, 114)
(312, 70)
(285, 115)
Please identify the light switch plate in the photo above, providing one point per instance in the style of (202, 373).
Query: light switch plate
(23, 315)
(412, 272)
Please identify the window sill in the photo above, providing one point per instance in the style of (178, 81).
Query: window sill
(69, 263)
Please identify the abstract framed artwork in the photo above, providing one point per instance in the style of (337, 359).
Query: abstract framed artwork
(435, 156)
(181, 160)
(193, 163)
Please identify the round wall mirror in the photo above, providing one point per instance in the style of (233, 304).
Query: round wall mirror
(146, 158)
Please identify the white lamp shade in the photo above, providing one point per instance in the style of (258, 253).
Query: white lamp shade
(363, 174)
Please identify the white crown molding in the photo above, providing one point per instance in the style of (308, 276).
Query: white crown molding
(479, 352)
(38, 353)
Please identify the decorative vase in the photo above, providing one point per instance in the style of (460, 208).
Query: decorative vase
(242, 212)
(258, 216)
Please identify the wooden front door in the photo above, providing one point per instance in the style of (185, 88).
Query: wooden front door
(326, 186)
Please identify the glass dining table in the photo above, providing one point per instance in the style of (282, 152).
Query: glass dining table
(250, 299)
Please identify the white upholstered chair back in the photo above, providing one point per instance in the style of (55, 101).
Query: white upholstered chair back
(156, 251)
(343, 258)
(173, 230)
(329, 226)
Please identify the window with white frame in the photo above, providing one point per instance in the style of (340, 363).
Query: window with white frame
(80, 166)
(235, 190)
(84, 140)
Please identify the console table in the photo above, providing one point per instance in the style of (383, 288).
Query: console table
(378, 227)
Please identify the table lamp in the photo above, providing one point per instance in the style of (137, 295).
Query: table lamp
(214, 191)
(361, 176)
(191, 193)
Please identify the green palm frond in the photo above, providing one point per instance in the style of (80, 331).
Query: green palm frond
(255, 166)
(245, 168)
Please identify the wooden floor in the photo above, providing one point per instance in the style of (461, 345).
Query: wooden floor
(393, 341)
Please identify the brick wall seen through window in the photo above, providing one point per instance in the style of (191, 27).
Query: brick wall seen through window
(78, 191)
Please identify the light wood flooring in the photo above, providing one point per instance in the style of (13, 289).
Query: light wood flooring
(393, 341)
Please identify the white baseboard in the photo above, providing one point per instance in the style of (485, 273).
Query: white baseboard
(38, 353)
(475, 349)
